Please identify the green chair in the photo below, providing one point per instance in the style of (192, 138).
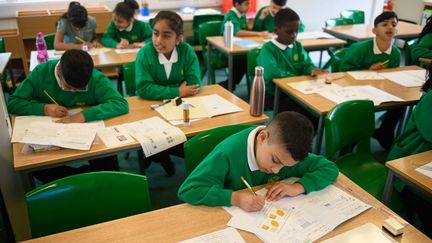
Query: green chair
(336, 57)
(251, 56)
(85, 199)
(337, 22)
(49, 40)
(408, 52)
(349, 127)
(198, 147)
(200, 19)
(205, 30)
(129, 78)
(357, 16)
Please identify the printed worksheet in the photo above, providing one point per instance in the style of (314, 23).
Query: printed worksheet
(313, 86)
(127, 50)
(406, 78)
(115, 136)
(314, 35)
(368, 231)
(228, 235)
(365, 75)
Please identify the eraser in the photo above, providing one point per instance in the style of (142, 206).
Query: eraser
(394, 226)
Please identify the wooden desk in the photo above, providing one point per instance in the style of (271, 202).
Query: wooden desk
(360, 32)
(4, 60)
(320, 106)
(14, 45)
(185, 221)
(218, 43)
(425, 61)
(405, 170)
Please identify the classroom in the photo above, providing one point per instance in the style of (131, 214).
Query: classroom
(215, 121)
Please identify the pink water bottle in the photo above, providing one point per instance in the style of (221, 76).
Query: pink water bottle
(257, 94)
(41, 47)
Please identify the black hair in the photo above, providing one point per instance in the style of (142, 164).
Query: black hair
(385, 16)
(294, 131)
(280, 2)
(427, 28)
(428, 84)
(126, 9)
(76, 68)
(76, 14)
(238, 1)
(175, 22)
(284, 16)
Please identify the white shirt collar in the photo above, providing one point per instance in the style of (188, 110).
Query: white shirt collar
(377, 51)
(168, 63)
(239, 15)
(129, 28)
(253, 165)
(280, 45)
(56, 74)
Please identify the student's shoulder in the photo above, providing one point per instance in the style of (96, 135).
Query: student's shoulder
(147, 52)
(91, 19)
(184, 48)
(141, 24)
(361, 46)
(46, 67)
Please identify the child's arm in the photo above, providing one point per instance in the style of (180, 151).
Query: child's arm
(110, 38)
(192, 74)
(259, 19)
(60, 45)
(423, 48)
(353, 59)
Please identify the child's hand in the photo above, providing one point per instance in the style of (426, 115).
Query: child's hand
(247, 201)
(122, 44)
(95, 44)
(77, 118)
(264, 13)
(377, 66)
(55, 110)
(138, 45)
(279, 189)
(188, 90)
(265, 34)
(315, 72)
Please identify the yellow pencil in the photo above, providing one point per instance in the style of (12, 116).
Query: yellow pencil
(49, 96)
(79, 39)
(384, 63)
(247, 185)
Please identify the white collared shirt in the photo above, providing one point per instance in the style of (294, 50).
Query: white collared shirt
(253, 165)
(239, 15)
(168, 63)
(377, 51)
(129, 28)
(280, 45)
(56, 74)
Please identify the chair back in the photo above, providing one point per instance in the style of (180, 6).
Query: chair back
(2, 45)
(357, 16)
(408, 52)
(211, 28)
(200, 19)
(336, 58)
(252, 56)
(85, 199)
(337, 22)
(129, 78)
(49, 40)
(198, 147)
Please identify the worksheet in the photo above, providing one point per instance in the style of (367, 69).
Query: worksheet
(365, 75)
(313, 86)
(406, 78)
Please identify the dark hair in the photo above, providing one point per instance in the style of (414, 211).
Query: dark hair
(76, 67)
(284, 16)
(427, 28)
(428, 84)
(238, 1)
(385, 16)
(76, 15)
(175, 22)
(280, 2)
(126, 9)
(293, 130)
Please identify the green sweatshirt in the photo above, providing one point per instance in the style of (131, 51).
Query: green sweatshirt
(279, 63)
(417, 136)
(140, 32)
(29, 98)
(151, 80)
(423, 48)
(360, 56)
(238, 23)
(218, 175)
(268, 22)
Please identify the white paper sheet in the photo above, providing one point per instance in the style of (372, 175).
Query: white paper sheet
(365, 75)
(98, 51)
(365, 92)
(115, 136)
(314, 35)
(125, 51)
(228, 235)
(425, 169)
(368, 232)
(155, 135)
(405, 78)
(312, 86)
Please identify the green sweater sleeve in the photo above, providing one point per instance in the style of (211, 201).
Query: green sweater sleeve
(259, 23)
(110, 102)
(109, 38)
(423, 48)
(192, 69)
(352, 59)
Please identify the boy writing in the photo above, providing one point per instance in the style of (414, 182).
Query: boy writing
(264, 19)
(261, 155)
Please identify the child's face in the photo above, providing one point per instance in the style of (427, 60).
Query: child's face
(386, 30)
(274, 8)
(120, 22)
(271, 157)
(164, 38)
(287, 34)
(243, 7)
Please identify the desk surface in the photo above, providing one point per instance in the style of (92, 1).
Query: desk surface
(407, 166)
(359, 32)
(308, 44)
(322, 105)
(184, 221)
(4, 60)
(425, 60)
(138, 109)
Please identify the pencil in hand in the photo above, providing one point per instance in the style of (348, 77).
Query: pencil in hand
(385, 62)
(247, 185)
(79, 39)
(50, 97)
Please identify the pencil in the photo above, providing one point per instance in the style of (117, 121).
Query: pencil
(247, 185)
(49, 96)
(79, 39)
(384, 63)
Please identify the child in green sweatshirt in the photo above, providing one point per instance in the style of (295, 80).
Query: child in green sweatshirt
(423, 47)
(264, 19)
(124, 31)
(261, 155)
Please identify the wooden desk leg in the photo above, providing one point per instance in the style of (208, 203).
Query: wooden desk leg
(319, 134)
(209, 81)
(276, 101)
(388, 189)
(320, 59)
(230, 69)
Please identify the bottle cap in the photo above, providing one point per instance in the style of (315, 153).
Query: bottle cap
(185, 106)
(259, 70)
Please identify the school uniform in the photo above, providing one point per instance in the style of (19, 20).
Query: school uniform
(268, 22)
(86, 33)
(158, 78)
(137, 31)
(423, 48)
(218, 175)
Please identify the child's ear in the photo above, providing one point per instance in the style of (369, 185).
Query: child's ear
(263, 135)
(374, 30)
(179, 39)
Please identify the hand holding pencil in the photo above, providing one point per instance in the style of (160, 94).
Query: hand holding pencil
(247, 200)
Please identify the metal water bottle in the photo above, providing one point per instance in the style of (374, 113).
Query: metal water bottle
(228, 34)
(257, 94)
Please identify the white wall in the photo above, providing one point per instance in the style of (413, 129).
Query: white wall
(411, 10)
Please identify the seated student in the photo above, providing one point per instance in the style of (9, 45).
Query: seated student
(285, 57)
(124, 31)
(261, 155)
(70, 81)
(376, 54)
(423, 47)
(264, 19)
(75, 25)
